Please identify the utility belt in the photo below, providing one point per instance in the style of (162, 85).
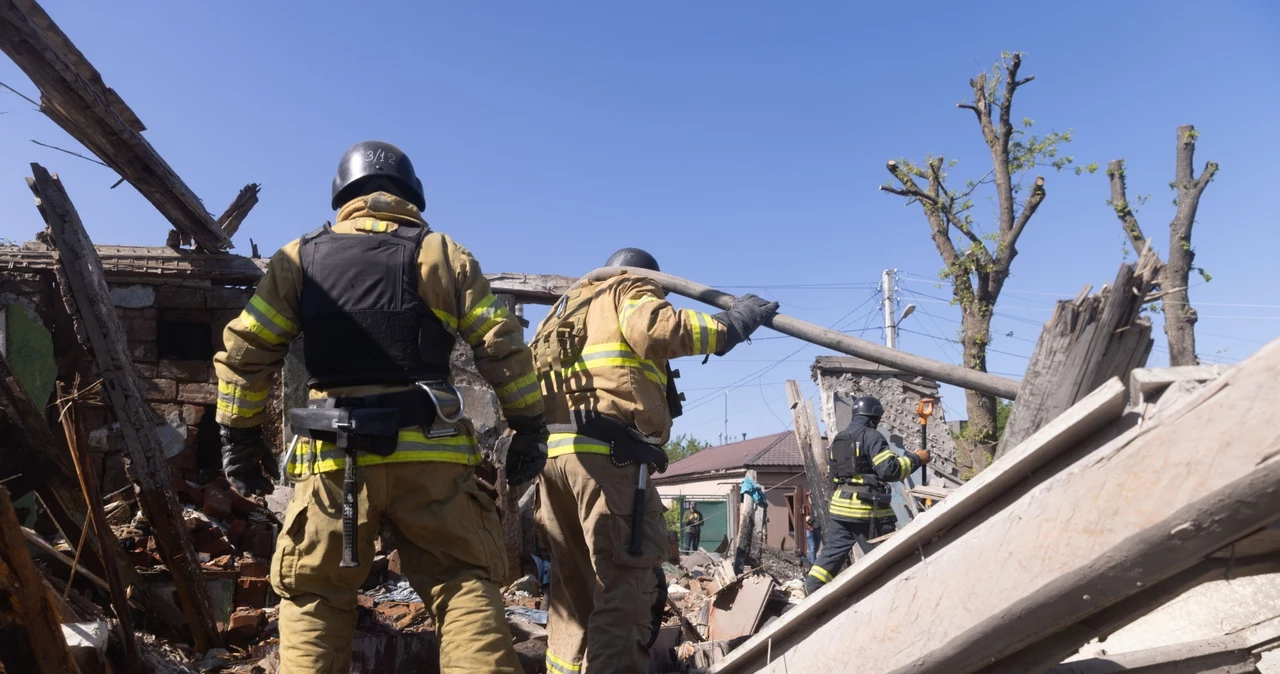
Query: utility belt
(867, 487)
(372, 423)
(626, 444)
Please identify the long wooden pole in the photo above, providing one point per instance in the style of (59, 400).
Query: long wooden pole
(93, 501)
(963, 377)
(98, 328)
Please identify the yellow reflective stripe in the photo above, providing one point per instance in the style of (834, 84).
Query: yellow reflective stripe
(241, 392)
(615, 354)
(904, 465)
(241, 402)
(559, 444)
(267, 323)
(411, 446)
(521, 392)
(886, 455)
(371, 225)
(447, 318)
(630, 306)
(820, 573)
(555, 664)
(699, 330)
(715, 332)
(481, 319)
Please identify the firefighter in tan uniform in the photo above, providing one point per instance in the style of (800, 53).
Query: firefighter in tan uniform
(602, 356)
(381, 299)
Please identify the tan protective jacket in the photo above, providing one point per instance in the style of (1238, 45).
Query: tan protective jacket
(451, 283)
(603, 348)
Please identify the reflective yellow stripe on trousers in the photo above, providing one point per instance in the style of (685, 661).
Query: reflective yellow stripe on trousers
(412, 446)
(559, 444)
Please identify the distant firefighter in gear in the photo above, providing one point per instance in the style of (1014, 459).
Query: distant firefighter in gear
(693, 528)
(381, 299)
(862, 466)
(601, 356)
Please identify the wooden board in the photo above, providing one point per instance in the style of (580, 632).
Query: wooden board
(737, 614)
(812, 449)
(1117, 513)
(1088, 341)
(97, 326)
(30, 637)
(158, 264)
(1081, 421)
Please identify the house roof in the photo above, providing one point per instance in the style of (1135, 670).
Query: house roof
(777, 450)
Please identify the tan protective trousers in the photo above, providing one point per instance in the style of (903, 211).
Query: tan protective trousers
(600, 619)
(451, 552)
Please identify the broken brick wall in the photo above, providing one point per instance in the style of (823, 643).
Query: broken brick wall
(173, 332)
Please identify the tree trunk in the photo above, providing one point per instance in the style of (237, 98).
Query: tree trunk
(1179, 316)
(981, 407)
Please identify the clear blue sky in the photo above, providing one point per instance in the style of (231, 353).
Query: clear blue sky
(742, 143)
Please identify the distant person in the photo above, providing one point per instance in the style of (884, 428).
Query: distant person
(692, 528)
(862, 466)
(381, 298)
(601, 355)
(812, 536)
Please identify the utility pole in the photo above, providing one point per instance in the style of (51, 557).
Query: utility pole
(724, 439)
(890, 317)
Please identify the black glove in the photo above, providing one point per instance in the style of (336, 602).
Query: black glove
(527, 453)
(747, 313)
(248, 462)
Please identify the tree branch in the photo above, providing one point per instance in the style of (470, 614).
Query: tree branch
(1120, 203)
(1028, 209)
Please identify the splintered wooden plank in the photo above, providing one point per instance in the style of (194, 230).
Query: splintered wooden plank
(97, 326)
(30, 636)
(1089, 340)
(1132, 506)
(1100, 408)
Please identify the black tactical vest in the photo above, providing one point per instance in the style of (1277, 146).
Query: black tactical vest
(848, 457)
(363, 318)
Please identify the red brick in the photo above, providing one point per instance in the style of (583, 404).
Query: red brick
(211, 542)
(177, 297)
(235, 531)
(223, 562)
(192, 414)
(140, 329)
(253, 568)
(145, 369)
(185, 370)
(148, 312)
(242, 505)
(161, 389)
(217, 504)
(228, 298)
(251, 592)
(144, 351)
(200, 394)
(245, 626)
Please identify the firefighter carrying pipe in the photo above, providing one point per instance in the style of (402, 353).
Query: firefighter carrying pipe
(965, 378)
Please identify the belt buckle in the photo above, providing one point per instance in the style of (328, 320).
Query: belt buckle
(435, 400)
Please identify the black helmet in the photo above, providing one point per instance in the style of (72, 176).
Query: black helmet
(633, 257)
(375, 166)
(867, 406)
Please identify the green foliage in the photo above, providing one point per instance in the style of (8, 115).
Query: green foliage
(1003, 409)
(672, 516)
(1204, 274)
(682, 446)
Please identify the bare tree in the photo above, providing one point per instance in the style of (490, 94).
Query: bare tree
(1172, 279)
(976, 270)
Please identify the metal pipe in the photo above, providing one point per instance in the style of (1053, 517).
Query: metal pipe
(965, 378)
